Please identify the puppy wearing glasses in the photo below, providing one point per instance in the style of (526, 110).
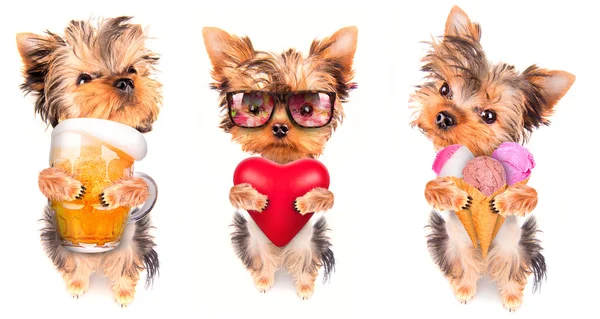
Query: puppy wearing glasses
(283, 107)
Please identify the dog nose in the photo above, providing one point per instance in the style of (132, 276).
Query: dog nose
(280, 130)
(445, 120)
(124, 84)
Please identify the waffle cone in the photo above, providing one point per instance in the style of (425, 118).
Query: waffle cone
(483, 220)
(501, 218)
(464, 215)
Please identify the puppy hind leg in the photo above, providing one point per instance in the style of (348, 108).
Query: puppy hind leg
(124, 264)
(256, 252)
(453, 251)
(514, 256)
(305, 254)
(75, 268)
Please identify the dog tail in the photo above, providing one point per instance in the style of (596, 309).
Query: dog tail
(144, 243)
(321, 247)
(531, 252)
(437, 242)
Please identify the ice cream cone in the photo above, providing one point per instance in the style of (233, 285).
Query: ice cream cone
(464, 215)
(481, 226)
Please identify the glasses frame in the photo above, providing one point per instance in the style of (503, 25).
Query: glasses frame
(282, 97)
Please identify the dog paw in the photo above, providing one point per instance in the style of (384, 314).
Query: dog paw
(77, 288)
(443, 194)
(305, 291)
(263, 283)
(129, 192)
(124, 297)
(464, 294)
(57, 185)
(300, 206)
(512, 302)
(464, 202)
(244, 196)
(517, 200)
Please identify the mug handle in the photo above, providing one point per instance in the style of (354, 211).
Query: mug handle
(139, 212)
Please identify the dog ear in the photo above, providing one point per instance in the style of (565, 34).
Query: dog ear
(36, 51)
(458, 24)
(225, 50)
(543, 89)
(339, 47)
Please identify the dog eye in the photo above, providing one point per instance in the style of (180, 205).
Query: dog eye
(306, 110)
(254, 109)
(488, 116)
(83, 78)
(131, 70)
(445, 90)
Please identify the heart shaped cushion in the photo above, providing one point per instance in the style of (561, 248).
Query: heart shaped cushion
(282, 184)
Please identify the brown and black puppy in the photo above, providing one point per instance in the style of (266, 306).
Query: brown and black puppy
(237, 67)
(96, 70)
(469, 101)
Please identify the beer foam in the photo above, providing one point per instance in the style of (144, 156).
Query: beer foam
(123, 137)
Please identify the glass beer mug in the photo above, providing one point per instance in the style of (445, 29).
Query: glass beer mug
(97, 153)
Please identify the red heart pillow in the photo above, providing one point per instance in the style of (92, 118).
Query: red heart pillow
(282, 184)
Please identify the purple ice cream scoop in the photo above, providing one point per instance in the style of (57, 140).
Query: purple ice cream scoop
(516, 160)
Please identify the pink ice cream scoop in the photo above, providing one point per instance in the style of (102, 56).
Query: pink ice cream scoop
(484, 173)
(451, 160)
(516, 160)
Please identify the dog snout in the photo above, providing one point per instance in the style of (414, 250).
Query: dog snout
(124, 85)
(445, 120)
(280, 130)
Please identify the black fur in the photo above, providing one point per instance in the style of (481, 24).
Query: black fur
(531, 252)
(321, 247)
(437, 242)
(144, 244)
(240, 238)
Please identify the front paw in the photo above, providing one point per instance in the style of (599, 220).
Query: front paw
(244, 196)
(128, 192)
(518, 201)
(443, 194)
(316, 200)
(57, 185)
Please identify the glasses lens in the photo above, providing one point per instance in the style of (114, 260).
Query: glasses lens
(311, 109)
(250, 109)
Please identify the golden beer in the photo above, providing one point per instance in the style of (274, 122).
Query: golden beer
(85, 149)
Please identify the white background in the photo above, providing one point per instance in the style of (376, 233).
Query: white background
(378, 164)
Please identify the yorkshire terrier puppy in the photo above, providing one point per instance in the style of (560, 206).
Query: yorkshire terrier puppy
(283, 107)
(101, 71)
(470, 101)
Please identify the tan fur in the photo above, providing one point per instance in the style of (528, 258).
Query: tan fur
(521, 101)
(237, 66)
(127, 192)
(505, 267)
(108, 50)
(120, 266)
(518, 199)
(316, 200)
(466, 270)
(443, 194)
(244, 196)
(57, 185)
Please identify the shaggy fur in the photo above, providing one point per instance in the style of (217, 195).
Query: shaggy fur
(238, 67)
(484, 105)
(98, 70)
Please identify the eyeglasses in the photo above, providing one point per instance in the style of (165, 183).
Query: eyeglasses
(253, 109)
